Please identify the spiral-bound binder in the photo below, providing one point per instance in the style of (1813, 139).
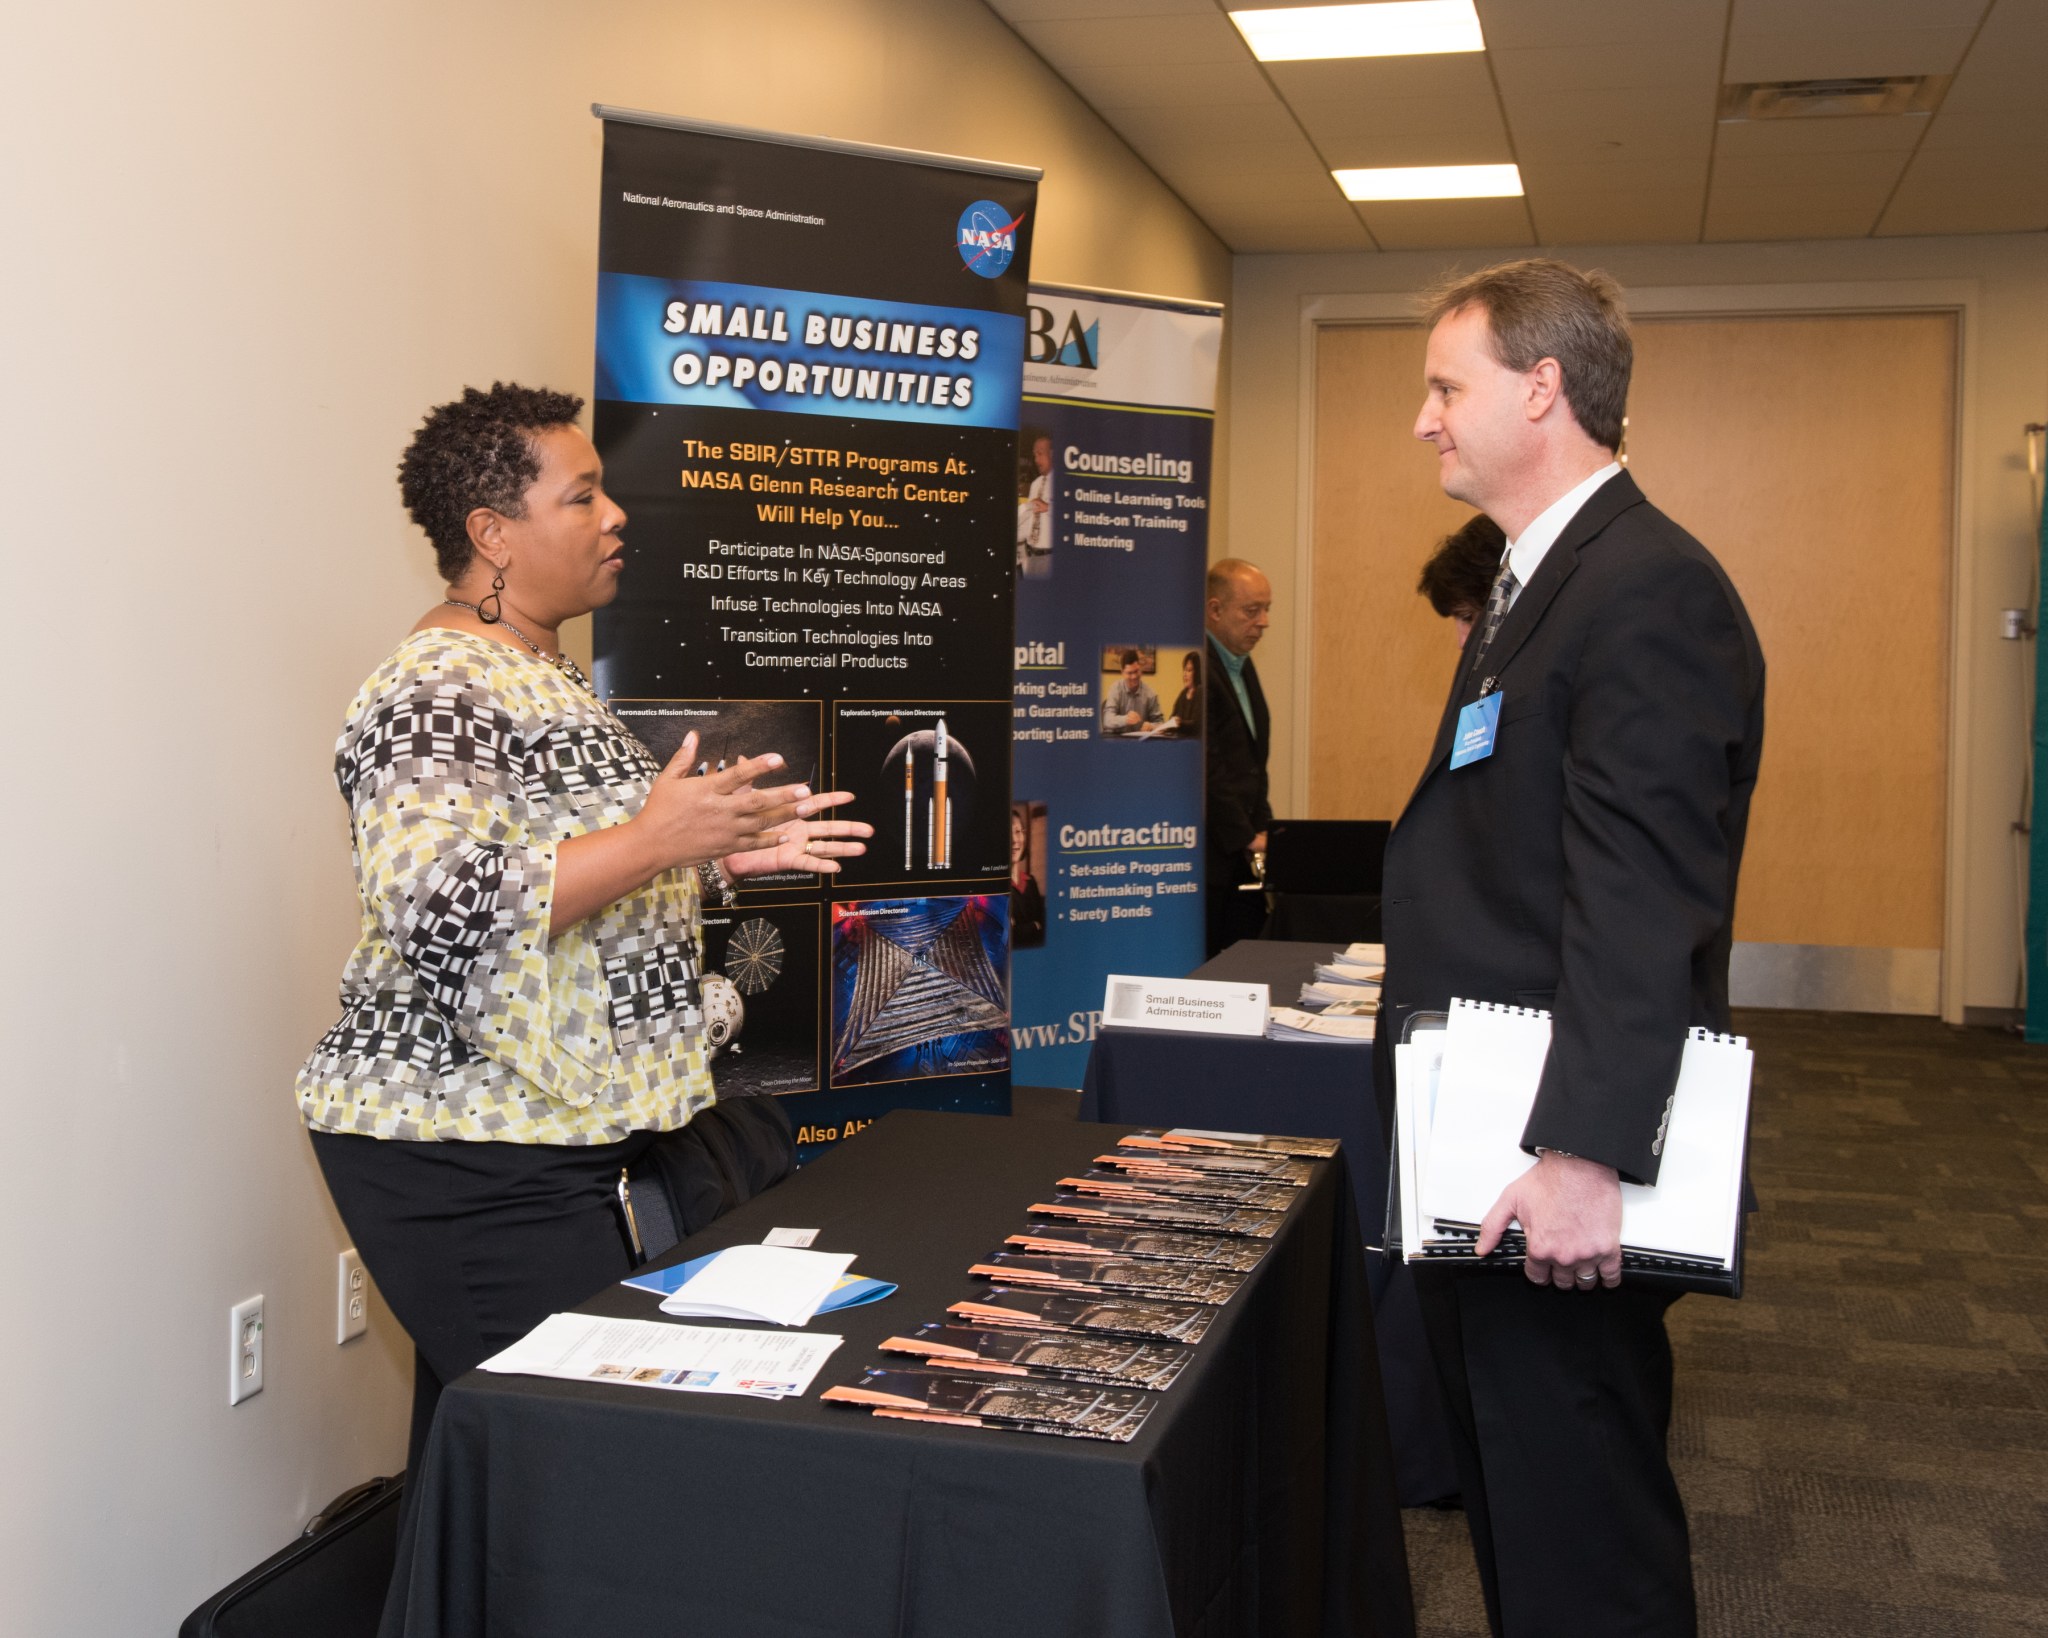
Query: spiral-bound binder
(1463, 1092)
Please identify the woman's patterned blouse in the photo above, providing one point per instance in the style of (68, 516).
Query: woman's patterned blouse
(465, 764)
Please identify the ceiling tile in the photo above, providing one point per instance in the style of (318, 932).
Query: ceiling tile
(1253, 223)
(1447, 224)
(1736, 223)
(1511, 25)
(2003, 72)
(1405, 134)
(1681, 66)
(1108, 85)
(1847, 16)
(1845, 178)
(1828, 54)
(1970, 191)
(1615, 174)
(1604, 126)
(1875, 133)
(1069, 43)
(1039, 11)
(1649, 216)
(1219, 140)
(2023, 131)
(1748, 212)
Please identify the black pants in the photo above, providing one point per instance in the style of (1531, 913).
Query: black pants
(474, 1244)
(1560, 1403)
(1230, 915)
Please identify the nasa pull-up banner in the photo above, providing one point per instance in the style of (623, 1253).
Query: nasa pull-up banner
(1112, 550)
(808, 365)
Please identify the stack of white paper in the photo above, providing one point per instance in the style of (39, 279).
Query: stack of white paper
(1462, 1100)
(1369, 955)
(680, 1358)
(775, 1284)
(1290, 1023)
(1323, 993)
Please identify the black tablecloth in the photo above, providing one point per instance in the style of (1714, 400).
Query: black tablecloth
(1257, 1499)
(1305, 1089)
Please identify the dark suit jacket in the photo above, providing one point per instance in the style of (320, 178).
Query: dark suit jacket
(1237, 805)
(1588, 865)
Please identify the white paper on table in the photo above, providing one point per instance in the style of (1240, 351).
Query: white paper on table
(1350, 972)
(1291, 1021)
(1326, 991)
(1371, 955)
(681, 1358)
(779, 1284)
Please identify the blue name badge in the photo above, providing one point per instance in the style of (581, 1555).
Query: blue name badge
(1474, 738)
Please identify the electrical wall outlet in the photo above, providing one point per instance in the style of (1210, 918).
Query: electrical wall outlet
(245, 1349)
(351, 1298)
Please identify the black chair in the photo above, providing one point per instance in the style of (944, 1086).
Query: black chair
(330, 1583)
(1326, 857)
(1323, 879)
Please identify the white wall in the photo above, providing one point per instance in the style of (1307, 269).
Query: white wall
(2005, 385)
(246, 246)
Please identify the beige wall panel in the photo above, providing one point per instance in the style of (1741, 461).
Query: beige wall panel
(1382, 658)
(1814, 457)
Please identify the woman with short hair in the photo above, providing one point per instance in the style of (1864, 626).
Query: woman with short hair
(522, 1017)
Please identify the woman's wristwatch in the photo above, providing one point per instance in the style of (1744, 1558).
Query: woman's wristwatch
(717, 884)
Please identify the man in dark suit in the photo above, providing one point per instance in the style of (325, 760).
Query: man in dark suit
(1240, 608)
(1584, 862)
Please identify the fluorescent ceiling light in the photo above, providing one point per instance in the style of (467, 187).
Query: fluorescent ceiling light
(1433, 182)
(1392, 28)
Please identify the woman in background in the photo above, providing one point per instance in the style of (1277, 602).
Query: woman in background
(1027, 898)
(1459, 576)
(521, 1019)
(1187, 704)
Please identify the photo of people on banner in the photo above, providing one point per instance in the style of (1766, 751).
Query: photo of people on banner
(1132, 688)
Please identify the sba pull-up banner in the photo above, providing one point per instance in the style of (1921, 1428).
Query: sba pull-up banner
(1112, 551)
(809, 359)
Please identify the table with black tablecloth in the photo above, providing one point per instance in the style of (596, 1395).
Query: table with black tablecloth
(1257, 1498)
(1304, 1089)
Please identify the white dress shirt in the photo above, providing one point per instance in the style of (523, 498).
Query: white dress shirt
(1525, 555)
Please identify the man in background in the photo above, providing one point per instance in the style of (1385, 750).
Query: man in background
(1240, 607)
(1579, 855)
(1459, 574)
(1130, 703)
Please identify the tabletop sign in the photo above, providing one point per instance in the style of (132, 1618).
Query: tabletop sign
(1203, 1006)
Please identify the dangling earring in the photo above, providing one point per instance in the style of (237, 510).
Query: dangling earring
(491, 608)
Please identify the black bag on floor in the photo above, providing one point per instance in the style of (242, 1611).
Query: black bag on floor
(330, 1583)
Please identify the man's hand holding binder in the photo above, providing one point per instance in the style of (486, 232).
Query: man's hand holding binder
(1570, 1212)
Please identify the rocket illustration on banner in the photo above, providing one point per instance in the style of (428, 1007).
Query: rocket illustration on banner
(909, 800)
(939, 828)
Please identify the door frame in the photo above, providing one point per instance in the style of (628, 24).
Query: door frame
(1959, 297)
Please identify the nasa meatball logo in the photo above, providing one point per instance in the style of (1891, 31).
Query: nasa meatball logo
(987, 238)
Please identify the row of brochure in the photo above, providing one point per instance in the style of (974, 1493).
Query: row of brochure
(1093, 1308)
(1340, 1002)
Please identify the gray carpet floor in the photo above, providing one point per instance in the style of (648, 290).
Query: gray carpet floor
(1862, 1439)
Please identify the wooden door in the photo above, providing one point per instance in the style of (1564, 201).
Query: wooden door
(1814, 455)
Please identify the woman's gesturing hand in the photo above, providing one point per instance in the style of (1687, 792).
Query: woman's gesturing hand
(806, 843)
(689, 818)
